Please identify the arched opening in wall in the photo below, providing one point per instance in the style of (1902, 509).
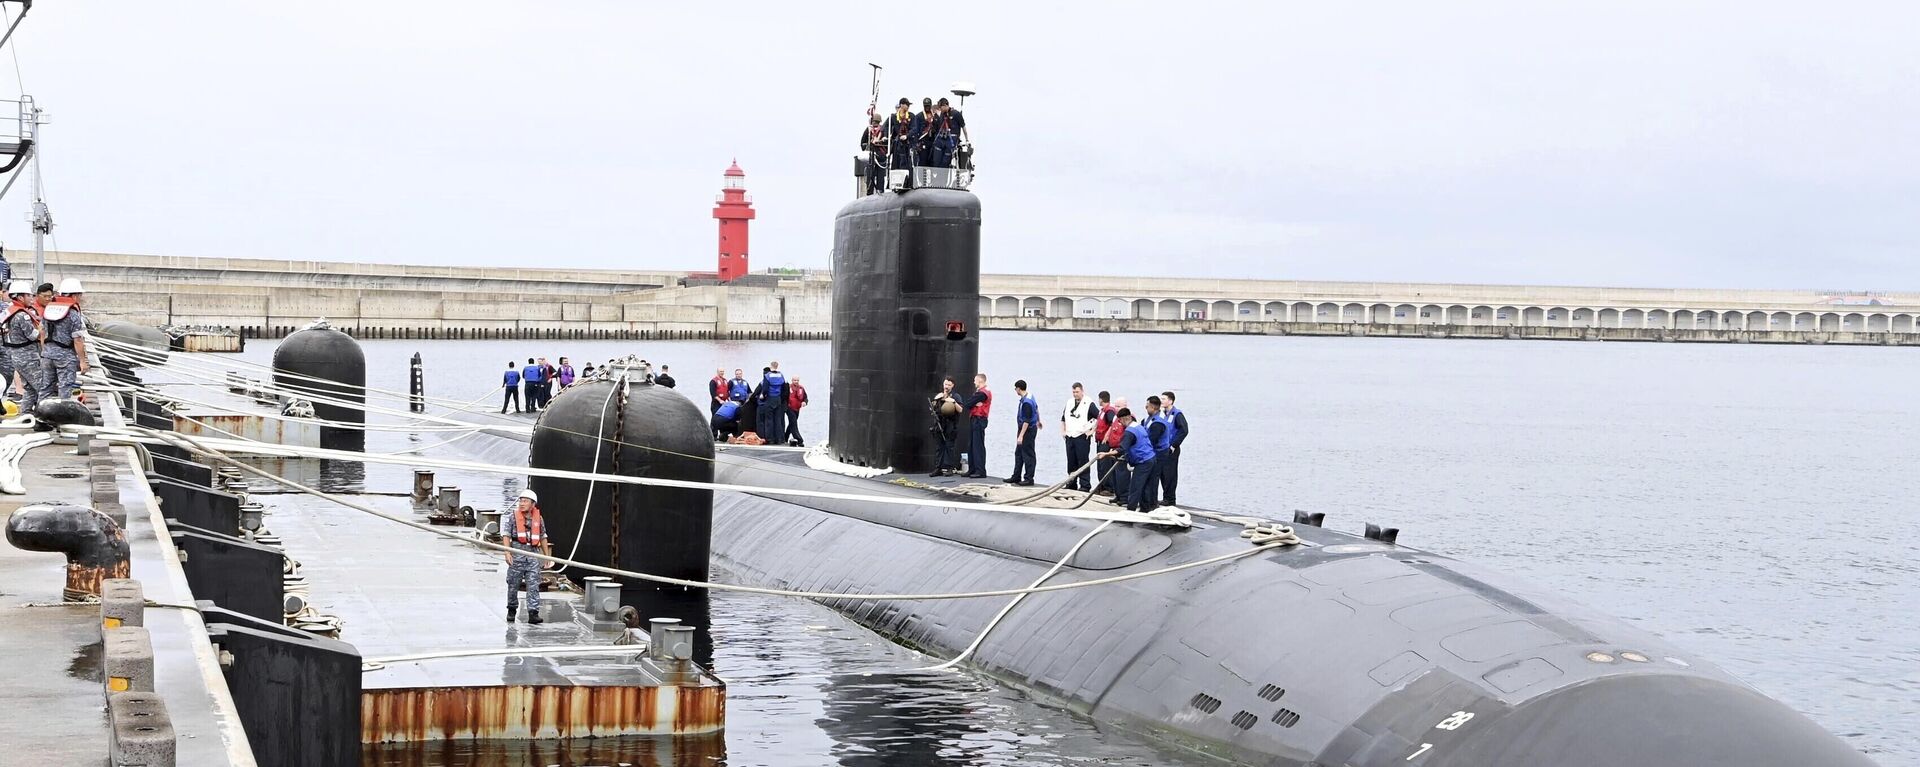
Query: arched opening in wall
(1382, 314)
(1806, 321)
(1432, 314)
(1194, 310)
(986, 306)
(1115, 308)
(1086, 307)
(1830, 322)
(1006, 306)
(1854, 322)
(1167, 309)
(1033, 306)
(1754, 321)
(1686, 319)
(1533, 316)
(1221, 310)
(1276, 311)
(1353, 313)
(1582, 317)
(1326, 313)
(1557, 316)
(1779, 321)
(1608, 318)
(1060, 307)
(1406, 314)
(1480, 315)
(1879, 323)
(1659, 319)
(1507, 315)
(1901, 323)
(1143, 308)
(1248, 311)
(1730, 320)
(1633, 318)
(1458, 315)
(1303, 312)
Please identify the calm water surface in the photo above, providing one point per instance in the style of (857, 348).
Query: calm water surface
(1753, 504)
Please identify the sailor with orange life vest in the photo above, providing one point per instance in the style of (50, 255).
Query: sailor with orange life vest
(21, 334)
(65, 333)
(978, 404)
(796, 399)
(525, 531)
(1105, 425)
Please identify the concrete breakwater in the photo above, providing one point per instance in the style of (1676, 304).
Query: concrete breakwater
(266, 298)
(1485, 332)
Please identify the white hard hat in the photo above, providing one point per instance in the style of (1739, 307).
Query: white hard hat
(70, 286)
(530, 495)
(20, 287)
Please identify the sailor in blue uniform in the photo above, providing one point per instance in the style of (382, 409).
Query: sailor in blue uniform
(530, 382)
(21, 331)
(726, 420)
(1027, 425)
(738, 390)
(773, 407)
(1160, 437)
(1136, 449)
(1170, 465)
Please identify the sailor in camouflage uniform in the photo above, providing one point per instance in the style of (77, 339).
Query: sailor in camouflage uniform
(525, 531)
(65, 351)
(20, 334)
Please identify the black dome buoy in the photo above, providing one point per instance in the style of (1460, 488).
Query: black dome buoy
(51, 413)
(320, 352)
(668, 531)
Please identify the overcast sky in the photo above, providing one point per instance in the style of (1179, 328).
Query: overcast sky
(1745, 144)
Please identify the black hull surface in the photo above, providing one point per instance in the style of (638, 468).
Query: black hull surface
(1345, 651)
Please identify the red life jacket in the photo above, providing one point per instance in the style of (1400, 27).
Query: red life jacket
(1115, 432)
(16, 308)
(986, 404)
(719, 386)
(1104, 424)
(796, 397)
(533, 537)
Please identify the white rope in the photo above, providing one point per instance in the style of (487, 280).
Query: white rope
(14, 447)
(375, 664)
(173, 359)
(1015, 602)
(1166, 516)
(586, 506)
(193, 445)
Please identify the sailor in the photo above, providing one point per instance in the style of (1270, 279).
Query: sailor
(946, 411)
(530, 382)
(21, 333)
(526, 531)
(547, 374)
(903, 129)
(796, 399)
(1136, 450)
(6, 271)
(718, 390)
(978, 404)
(923, 146)
(737, 389)
(1105, 426)
(665, 378)
(565, 373)
(947, 126)
(873, 141)
(773, 404)
(65, 352)
(511, 382)
(1161, 430)
(1026, 421)
(1076, 428)
(726, 420)
(1170, 468)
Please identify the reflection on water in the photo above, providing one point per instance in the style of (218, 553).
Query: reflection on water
(1747, 502)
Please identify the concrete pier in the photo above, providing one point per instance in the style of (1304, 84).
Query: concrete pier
(269, 298)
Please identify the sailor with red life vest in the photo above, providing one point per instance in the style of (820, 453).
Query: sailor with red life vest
(796, 399)
(21, 333)
(525, 531)
(1103, 427)
(65, 351)
(978, 404)
(1136, 450)
(719, 390)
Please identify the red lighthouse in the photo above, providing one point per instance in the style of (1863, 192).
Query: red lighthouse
(734, 209)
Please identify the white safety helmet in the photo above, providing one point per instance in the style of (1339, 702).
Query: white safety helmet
(20, 288)
(70, 286)
(530, 495)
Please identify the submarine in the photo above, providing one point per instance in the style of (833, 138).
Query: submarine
(1339, 650)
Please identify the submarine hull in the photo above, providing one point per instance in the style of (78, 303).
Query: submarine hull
(1344, 651)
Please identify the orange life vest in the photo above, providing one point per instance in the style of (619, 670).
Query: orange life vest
(531, 537)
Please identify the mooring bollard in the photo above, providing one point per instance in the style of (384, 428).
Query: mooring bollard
(142, 732)
(422, 487)
(128, 657)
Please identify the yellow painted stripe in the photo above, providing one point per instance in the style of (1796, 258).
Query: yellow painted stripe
(112, 623)
(119, 683)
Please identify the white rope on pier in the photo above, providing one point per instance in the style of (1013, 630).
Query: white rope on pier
(14, 447)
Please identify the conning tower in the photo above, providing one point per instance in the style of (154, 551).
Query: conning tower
(906, 312)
